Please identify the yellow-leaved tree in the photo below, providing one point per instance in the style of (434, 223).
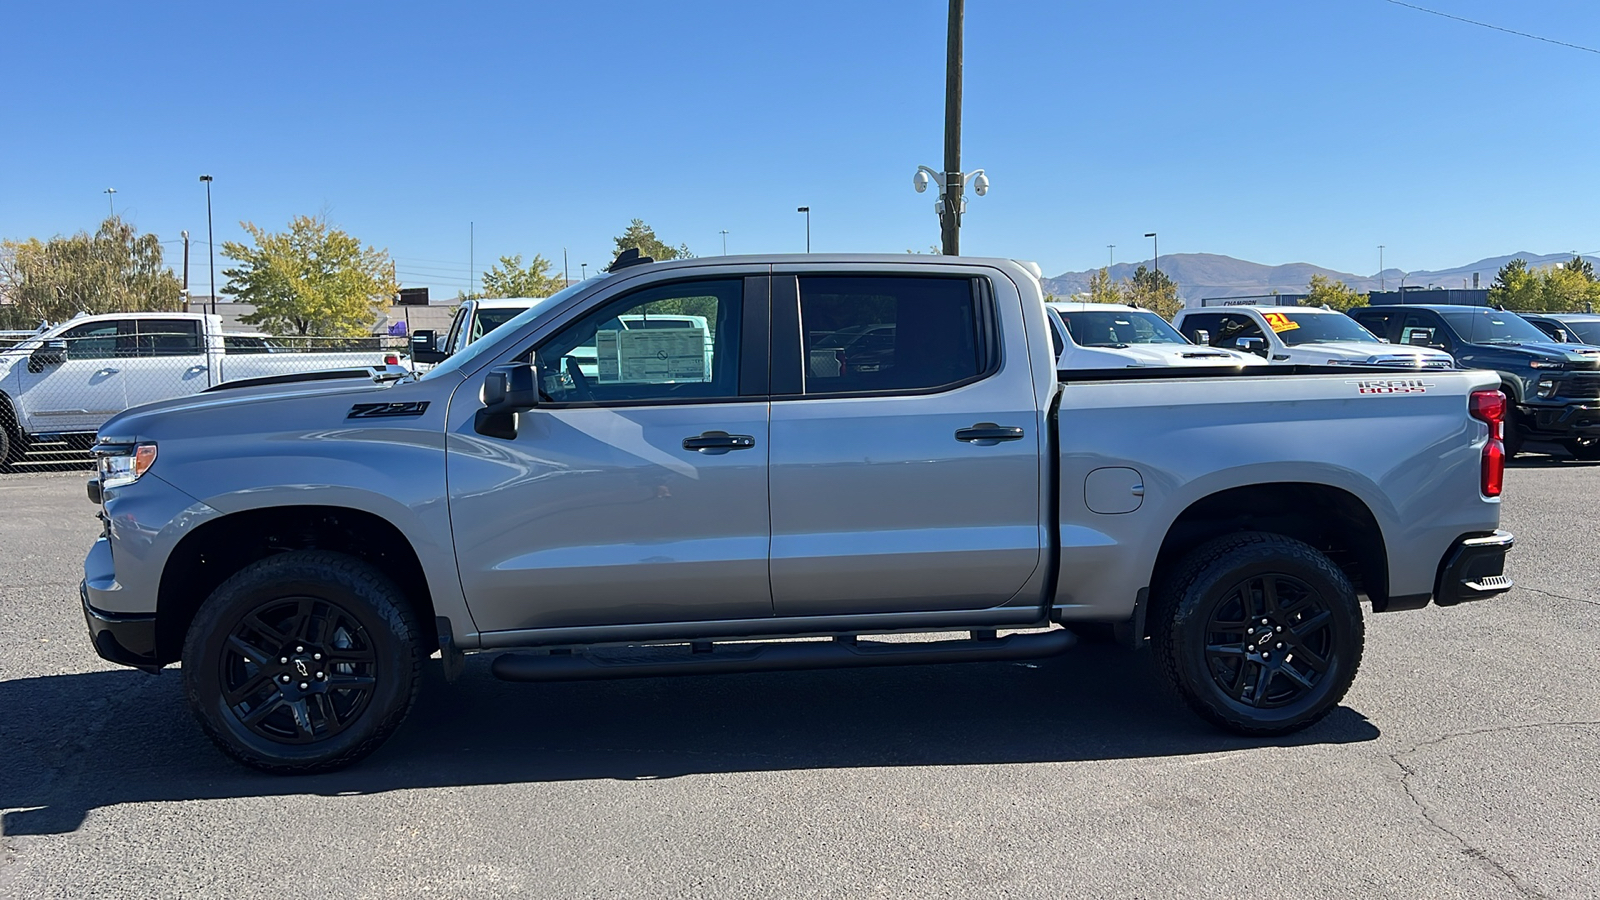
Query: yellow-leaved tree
(312, 279)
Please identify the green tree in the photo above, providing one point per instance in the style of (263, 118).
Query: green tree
(1581, 266)
(1325, 291)
(643, 238)
(511, 279)
(1103, 290)
(1565, 288)
(1153, 290)
(116, 269)
(1515, 287)
(310, 280)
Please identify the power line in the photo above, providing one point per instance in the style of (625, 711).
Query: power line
(1535, 37)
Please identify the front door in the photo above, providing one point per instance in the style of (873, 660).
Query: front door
(905, 456)
(169, 361)
(637, 491)
(81, 390)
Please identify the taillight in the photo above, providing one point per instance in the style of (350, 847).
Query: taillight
(391, 360)
(1489, 407)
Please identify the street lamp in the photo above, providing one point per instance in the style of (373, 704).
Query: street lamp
(1152, 236)
(583, 271)
(211, 244)
(950, 200)
(112, 201)
(1111, 256)
(724, 233)
(807, 211)
(1383, 283)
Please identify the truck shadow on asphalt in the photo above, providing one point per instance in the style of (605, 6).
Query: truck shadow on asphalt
(80, 742)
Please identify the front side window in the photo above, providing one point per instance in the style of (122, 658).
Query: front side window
(675, 341)
(887, 333)
(97, 340)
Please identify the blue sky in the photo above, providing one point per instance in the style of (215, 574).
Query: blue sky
(1271, 130)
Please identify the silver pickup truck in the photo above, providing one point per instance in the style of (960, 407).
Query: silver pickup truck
(302, 547)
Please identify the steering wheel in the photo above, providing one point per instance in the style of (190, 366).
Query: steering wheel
(580, 381)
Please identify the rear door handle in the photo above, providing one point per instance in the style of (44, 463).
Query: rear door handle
(712, 443)
(988, 433)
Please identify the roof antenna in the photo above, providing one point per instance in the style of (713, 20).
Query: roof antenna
(629, 257)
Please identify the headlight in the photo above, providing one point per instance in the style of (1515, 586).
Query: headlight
(1547, 364)
(123, 464)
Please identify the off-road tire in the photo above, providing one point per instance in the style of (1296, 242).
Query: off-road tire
(11, 442)
(1586, 449)
(1222, 575)
(354, 610)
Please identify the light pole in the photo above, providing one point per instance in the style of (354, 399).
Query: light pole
(807, 211)
(111, 201)
(583, 271)
(724, 233)
(952, 181)
(1383, 283)
(211, 244)
(1152, 236)
(1111, 257)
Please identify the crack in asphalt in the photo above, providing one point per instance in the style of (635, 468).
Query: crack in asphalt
(1467, 847)
(1559, 596)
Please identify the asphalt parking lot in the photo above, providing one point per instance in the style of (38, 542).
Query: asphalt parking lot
(1462, 764)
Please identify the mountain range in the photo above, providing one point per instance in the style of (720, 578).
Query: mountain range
(1201, 275)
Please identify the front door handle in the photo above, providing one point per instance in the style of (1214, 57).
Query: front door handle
(987, 434)
(712, 443)
(108, 371)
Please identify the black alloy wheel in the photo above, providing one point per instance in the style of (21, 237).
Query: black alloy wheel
(299, 670)
(302, 662)
(1586, 449)
(1259, 633)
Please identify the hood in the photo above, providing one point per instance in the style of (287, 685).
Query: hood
(1576, 356)
(1155, 355)
(134, 422)
(1361, 351)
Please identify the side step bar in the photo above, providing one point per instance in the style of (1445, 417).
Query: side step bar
(702, 658)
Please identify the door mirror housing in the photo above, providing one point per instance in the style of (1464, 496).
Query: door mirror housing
(53, 353)
(507, 391)
(1254, 345)
(425, 346)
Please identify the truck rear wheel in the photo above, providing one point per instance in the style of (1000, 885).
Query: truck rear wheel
(1259, 633)
(11, 442)
(302, 662)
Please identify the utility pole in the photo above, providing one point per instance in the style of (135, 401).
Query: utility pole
(950, 222)
(1383, 283)
(565, 281)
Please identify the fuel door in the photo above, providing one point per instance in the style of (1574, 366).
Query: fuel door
(1113, 490)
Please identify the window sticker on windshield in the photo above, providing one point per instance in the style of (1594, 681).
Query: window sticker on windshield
(1391, 386)
(651, 357)
(1280, 322)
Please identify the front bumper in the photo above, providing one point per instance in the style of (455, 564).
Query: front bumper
(124, 640)
(1564, 420)
(1474, 569)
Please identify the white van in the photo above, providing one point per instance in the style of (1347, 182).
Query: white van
(1302, 335)
(1114, 336)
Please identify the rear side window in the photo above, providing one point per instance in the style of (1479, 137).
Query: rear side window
(1374, 320)
(867, 333)
(168, 337)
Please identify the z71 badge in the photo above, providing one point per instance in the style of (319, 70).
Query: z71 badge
(1391, 386)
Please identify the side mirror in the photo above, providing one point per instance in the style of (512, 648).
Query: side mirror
(507, 391)
(425, 347)
(1202, 337)
(53, 353)
(1252, 345)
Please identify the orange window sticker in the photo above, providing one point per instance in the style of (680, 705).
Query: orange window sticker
(1279, 322)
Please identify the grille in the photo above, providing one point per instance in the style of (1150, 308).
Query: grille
(1582, 387)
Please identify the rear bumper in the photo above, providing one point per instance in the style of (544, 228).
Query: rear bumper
(1474, 569)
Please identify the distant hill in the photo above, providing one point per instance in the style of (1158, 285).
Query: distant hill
(1201, 275)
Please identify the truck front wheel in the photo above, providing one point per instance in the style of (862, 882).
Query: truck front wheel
(302, 662)
(1259, 633)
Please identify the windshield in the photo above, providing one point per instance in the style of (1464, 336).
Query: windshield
(1493, 326)
(1119, 329)
(467, 357)
(1587, 332)
(1296, 328)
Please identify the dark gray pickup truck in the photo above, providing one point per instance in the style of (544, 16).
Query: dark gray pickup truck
(822, 448)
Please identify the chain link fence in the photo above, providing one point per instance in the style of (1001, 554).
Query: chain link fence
(59, 386)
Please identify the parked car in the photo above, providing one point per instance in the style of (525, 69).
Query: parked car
(1232, 518)
(473, 320)
(1568, 328)
(1554, 388)
(65, 381)
(1111, 335)
(1301, 335)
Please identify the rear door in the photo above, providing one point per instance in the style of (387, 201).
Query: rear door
(905, 465)
(83, 389)
(168, 361)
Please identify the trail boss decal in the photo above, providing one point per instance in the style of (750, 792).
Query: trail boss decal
(1391, 386)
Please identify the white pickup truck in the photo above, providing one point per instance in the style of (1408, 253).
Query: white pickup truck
(64, 382)
(1114, 336)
